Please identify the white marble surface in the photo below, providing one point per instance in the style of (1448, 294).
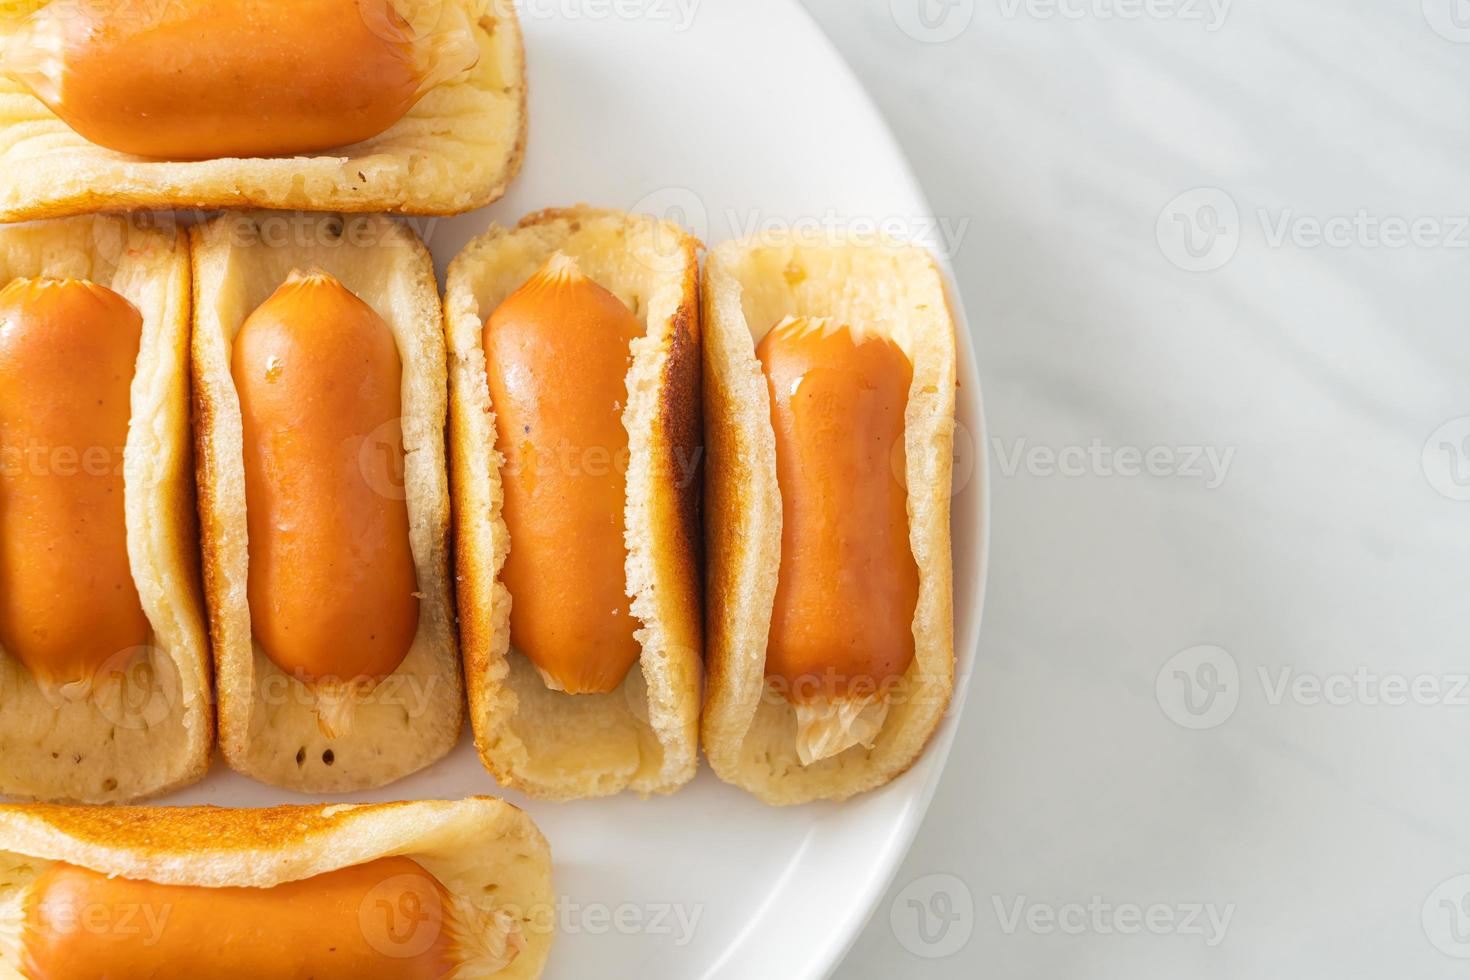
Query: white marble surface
(1317, 812)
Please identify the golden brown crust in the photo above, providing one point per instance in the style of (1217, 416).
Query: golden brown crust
(106, 749)
(679, 421)
(206, 470)
(749, 732)
(268, 728)
(488, 854)
(182, 829)
(474, 148)
(644, 735)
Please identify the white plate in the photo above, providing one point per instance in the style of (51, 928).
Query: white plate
(742, 116)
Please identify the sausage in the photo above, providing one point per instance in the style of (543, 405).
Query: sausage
(68, 602)
(332, 584)
(388, 919)
(848, 585)
(557, 354)
(201, 79)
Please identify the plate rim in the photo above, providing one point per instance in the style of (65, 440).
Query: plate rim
(935, 758)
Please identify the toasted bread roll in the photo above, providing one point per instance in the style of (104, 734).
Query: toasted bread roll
(627, 728)
(353, 105)
(802, 702)
(342, 314)
(106, 692)
(167, 84)
(429, 889)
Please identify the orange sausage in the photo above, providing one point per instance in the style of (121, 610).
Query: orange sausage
(332, 585)
(199, 79)
(388, 919)
(557, 354)
(848, 585)
(68, 604)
